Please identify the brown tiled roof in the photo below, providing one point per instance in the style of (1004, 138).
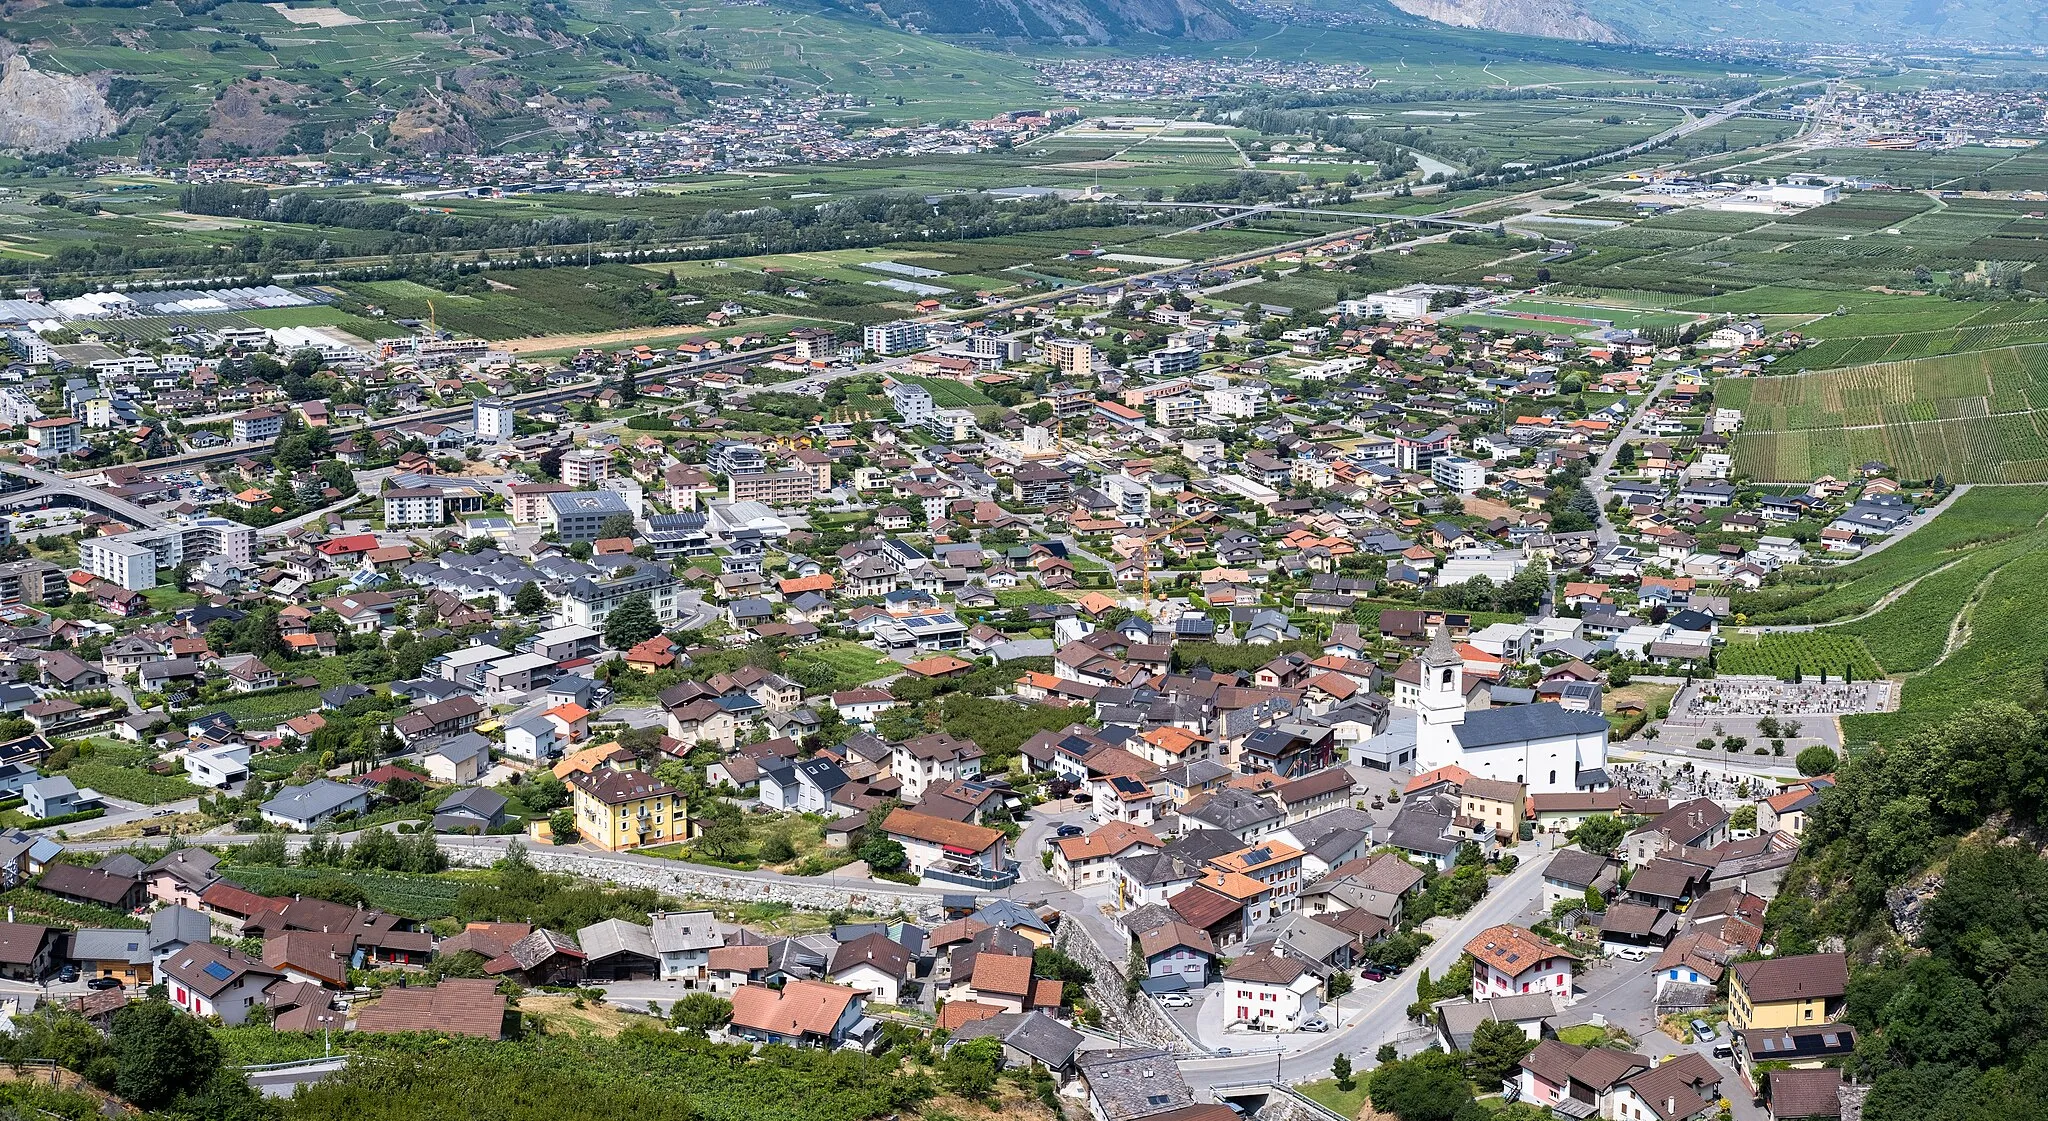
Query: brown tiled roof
(234, 899)
(1265, 965)
(1200, 907)
(1003, 974)
(1113, 838)
(20, 941)
(1552, 1060)
(1170, 935)
(1513, 949)
(84, 883)
(800, 1008)
(739, 957)
(958, 1012)
(939, 831)
(1801, 977)
(877, 950)
(458, 1006)
(1804, 1093)
(1327, 781)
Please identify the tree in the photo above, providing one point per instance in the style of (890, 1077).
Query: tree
(1496, 1050)
(723, 829)
(618, 525)
(1743, 817)
(1340, 983)
(882, 854)
(1768, 728)
(776, 849)
(1816, 760)
(1429, 1087)
(159, 1052)
(631, 623)
(562, 823)
(1340, 1069)
(970, 1068)
(530, 601)
(1603, 833)
(699, 1013)
(1387, 1053)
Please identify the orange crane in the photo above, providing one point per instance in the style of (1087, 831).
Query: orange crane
(1144, 553)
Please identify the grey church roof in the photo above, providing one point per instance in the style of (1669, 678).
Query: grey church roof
(1518, 723)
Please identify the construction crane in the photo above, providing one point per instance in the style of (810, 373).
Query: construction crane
(1144, 553)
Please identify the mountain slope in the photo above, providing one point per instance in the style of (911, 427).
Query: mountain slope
(1074, 21)
(1703, 23)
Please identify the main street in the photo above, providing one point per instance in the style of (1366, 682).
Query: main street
(1603, 469)
(1381, 1014)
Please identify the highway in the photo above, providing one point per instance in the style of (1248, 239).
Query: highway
(49, 485)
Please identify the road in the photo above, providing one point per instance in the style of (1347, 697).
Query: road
(1382, 1015)
(1886, 599)
(1604, 469)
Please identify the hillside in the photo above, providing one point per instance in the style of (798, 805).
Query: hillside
(1697, 22)
(1073, 21)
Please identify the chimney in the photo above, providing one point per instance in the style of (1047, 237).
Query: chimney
(1670, 1106)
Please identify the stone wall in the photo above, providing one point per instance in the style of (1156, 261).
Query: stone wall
(1137, 1019)
(698, 882)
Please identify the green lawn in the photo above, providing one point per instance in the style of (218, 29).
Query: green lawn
(1330, 1094)
(130, 784)
(851, 664)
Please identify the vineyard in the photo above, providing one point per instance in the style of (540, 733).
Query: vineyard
(1984, 516)
(1980, 417)
(1790, 655)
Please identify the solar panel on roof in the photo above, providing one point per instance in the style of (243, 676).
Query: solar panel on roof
(217, 971)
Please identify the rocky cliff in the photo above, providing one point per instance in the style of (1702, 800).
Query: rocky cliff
(43, 112)
(1553, 19)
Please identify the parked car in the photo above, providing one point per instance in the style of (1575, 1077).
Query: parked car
(1315, 1024)
(1632, 953)
(1068, 831)
(68, 974)
(104, 983)
(1702, 1031)
(1723, 1051)
(1176, 1000)
(1372, 972)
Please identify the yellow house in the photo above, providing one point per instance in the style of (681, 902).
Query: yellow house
(1787, 992)
(620, 810)
(1495, 802)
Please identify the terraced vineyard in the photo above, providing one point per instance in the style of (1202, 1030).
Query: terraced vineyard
(1963, 629)
(1979, 417)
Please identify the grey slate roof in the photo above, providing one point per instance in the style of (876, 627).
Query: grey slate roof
(1575, 867)
(321, 796)
(1487, 727)
(1134, 1082)
(91, 944)
(1032, 1033)
(616, 936)
(174, 925)
(680, 931)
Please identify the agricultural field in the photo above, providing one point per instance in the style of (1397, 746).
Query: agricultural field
(1975, 417)
(1531, 131)
(1791, 654)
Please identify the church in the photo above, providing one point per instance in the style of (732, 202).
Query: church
(1546, 748)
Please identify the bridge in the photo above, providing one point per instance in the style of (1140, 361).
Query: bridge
(22, 486)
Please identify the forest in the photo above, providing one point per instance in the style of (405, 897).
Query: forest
(1925, 862)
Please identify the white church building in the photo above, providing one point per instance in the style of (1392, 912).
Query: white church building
(1546, 748)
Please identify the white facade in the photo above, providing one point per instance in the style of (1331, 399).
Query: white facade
(124, 564)
(1455, 472)
(1542, 746)
(492, 420)
(894, 338)
(1396, 305)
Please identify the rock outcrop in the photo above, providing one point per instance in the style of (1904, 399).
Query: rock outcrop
(44, 112)
(1553, 19)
